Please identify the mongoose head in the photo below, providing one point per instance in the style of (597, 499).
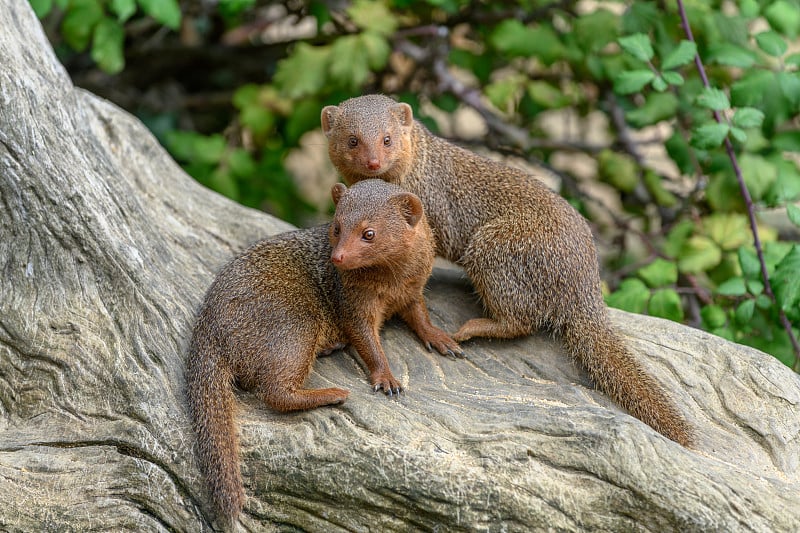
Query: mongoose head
(375, 224)
(369, 137)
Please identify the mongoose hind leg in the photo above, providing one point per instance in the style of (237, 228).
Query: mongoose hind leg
(489, 327)
(281, 385)
(301, 399)
(498, 267)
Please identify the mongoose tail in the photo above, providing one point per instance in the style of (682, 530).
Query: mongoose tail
(213, 408)
(603, 353)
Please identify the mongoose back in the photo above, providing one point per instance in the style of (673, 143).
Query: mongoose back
(284, 300)
(529, 254)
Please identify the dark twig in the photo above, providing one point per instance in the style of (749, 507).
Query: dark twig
(746, 196)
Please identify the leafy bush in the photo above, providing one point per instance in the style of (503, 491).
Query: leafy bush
(712, 86)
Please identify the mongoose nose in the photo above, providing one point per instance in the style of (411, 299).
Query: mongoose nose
(373, 164)
(337, 258)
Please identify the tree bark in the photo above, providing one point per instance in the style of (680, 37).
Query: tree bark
(106, 249)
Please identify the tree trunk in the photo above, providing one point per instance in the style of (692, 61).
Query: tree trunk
(106, 249)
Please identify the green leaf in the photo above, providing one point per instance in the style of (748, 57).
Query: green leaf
(749, 8)
(738, 134)
(167, 12)
(788, 141)
(349, 66)
(681, 55)
(594, 30)
(732, 287)
(751, 88)
(709, 135)
(713, 98)
(655, 186)
(632, 81)
(659, 273)
(728, 230)
(789, 83)
(638, 45)
(618, 170)
(755, 287)
(641, 17)
(377, 49)
(304, 72)
(786, 280)
(771, 43)
(784, 16)
(759, 174)
(698, 255)
(677, 237)
(515, 39)
(79, 22)
(748, 117)
(656, 107)
(659, 84)
(109, 37)
(123, 9)
(744, 313)
(666, 303)
(713, 316)
(680, 152)
(373, 16)
(547, 96)
(41, 7)
(748, 260)
(731, 55)
(673, 78)
(504, 93)
(794, 214)
(241, 163)
(631, 296)
(191, 146)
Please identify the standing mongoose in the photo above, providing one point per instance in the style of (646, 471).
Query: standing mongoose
(288, 298)
(529, 254)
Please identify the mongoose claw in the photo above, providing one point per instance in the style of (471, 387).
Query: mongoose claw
(389, 385)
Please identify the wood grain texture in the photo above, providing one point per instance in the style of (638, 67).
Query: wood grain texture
(106, 248)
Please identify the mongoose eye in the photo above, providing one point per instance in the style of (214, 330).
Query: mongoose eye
(336, 230)
(353, 142)
(387, 141)
(368, 234)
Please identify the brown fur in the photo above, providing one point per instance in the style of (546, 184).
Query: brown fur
(273, 308)
(529, 254)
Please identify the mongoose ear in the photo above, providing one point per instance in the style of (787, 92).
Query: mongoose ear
(327, 118)
(337, 191)
(411, 207)
(404, 114)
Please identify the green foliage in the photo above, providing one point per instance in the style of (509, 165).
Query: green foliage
(635, 66)
(101, 24)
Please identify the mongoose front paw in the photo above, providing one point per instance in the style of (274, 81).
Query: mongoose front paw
(388, 383)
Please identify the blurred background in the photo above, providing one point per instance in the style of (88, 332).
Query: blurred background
(678, 164)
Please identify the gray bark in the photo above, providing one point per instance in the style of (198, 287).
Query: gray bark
(106, 249)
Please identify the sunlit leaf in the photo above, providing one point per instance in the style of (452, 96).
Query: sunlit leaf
(167, 12)
(632, 81)
(659, 273)
(666, 303)
(638, 45)
(109, 36)
(681, 55)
